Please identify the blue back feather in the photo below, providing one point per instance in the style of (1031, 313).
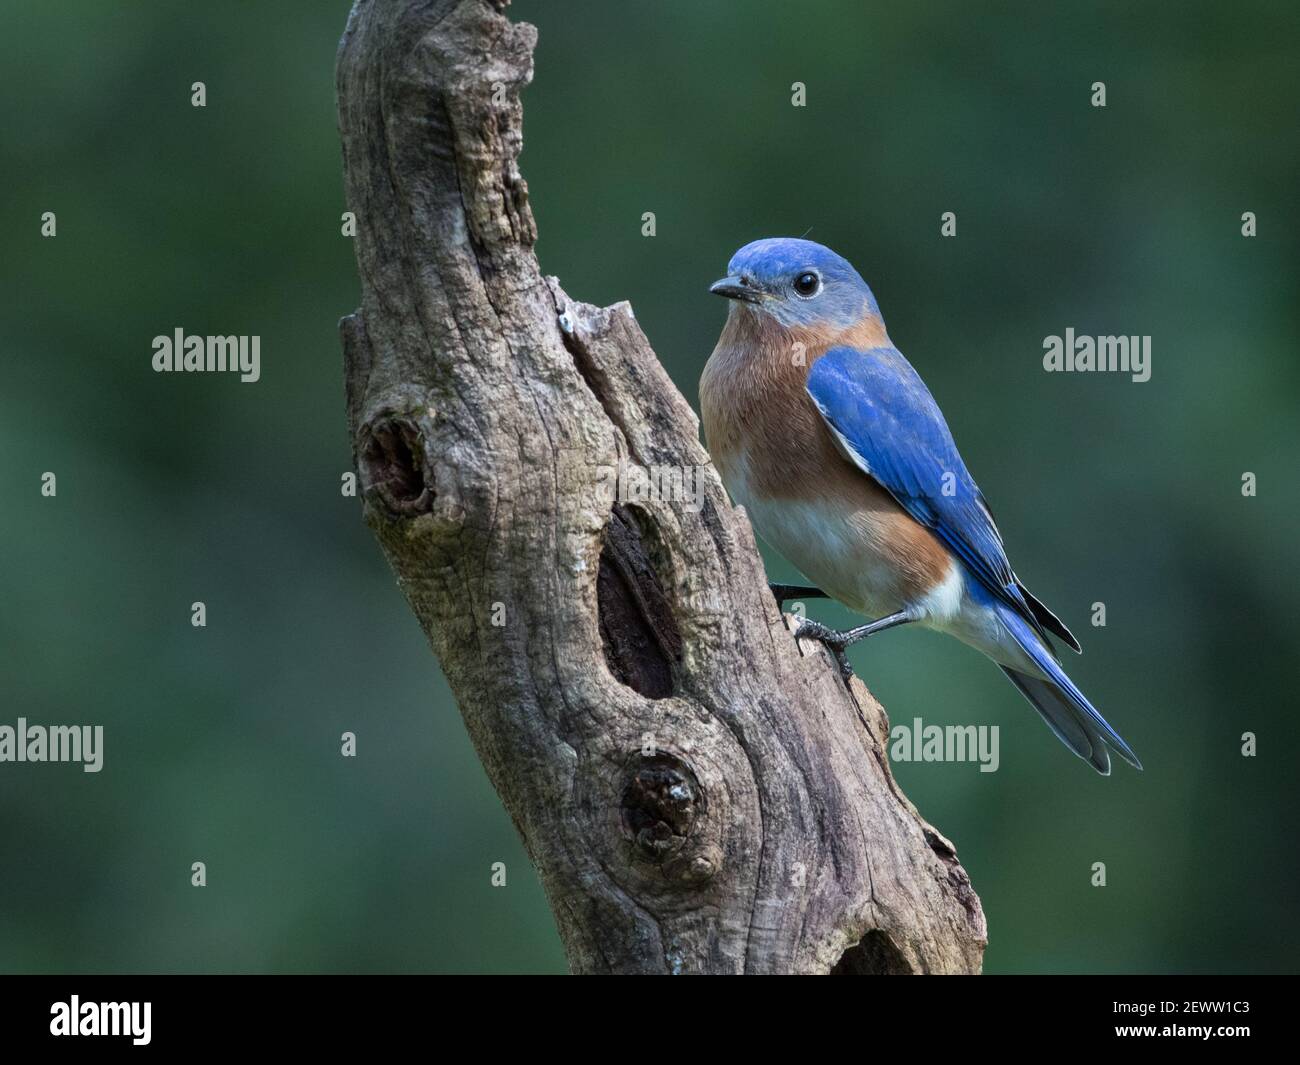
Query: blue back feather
(890, 426)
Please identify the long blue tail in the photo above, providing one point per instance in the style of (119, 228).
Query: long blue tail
(1068, 714)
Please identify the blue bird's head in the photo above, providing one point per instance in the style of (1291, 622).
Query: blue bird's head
(799, 283)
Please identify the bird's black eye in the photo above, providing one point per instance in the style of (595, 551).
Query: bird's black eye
(807, 284)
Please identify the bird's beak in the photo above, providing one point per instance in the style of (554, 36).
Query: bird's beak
(736, 288)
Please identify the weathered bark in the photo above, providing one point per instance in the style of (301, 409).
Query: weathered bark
(698, 793)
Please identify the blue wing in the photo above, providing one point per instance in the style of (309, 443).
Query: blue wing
(887, 424)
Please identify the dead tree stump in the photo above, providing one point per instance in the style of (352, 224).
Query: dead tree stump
(698, 794)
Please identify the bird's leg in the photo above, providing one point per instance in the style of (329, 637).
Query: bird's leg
(794, 591)
(836, 641)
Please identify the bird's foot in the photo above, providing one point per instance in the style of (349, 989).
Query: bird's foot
(837, 641)
(833, 640)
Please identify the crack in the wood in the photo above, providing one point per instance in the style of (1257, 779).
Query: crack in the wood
(590, 373)
(638, 631)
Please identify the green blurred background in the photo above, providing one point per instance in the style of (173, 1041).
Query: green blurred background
(222, 744)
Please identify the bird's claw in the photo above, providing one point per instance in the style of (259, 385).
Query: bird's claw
(833, 640)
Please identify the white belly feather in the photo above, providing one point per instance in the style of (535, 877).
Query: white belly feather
(830, 544)
(824, 540)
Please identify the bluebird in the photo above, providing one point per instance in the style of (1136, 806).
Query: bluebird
(830, 440)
